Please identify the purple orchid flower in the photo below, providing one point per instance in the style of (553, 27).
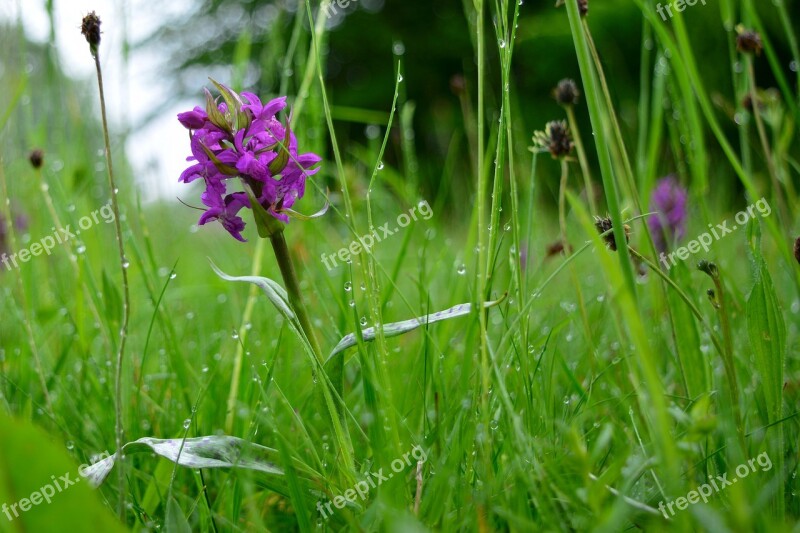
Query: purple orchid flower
(668, 225)
(242, 138)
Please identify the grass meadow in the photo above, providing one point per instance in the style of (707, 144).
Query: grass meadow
(541, 333)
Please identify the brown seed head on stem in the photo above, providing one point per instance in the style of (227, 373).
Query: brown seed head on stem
(90, 28)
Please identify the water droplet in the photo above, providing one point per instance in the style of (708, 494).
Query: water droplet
(70, 445)
(125, 263)
(461, 270)
(187, 423)
(348, 286)
(80, 249)
(501, 43)
(398, 48)
(400, 78)
(351, 303)
(793, 66)
(380, 165)
(507, 227)
(205, 369)
(363, 286)
(235, 335)
(173, 275)
(363, 321)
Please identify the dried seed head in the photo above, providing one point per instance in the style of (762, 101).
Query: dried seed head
(603, 225)
(36, 158)
(709, 268)
(566, 92)
(748, 41)
(555, 138)
(90, 28)
(797, 249)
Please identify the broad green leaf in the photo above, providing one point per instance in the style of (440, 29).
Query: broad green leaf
(765, 327)
(30, 466)
(216, 451)
(398, 328)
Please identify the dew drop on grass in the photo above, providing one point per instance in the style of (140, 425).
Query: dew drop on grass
(205, 369)
(351, 303)
(173, 275)
(348, 286)
(363, 286)
(501, 43)
(461, 270)
(235, 335)
(400, 78)
(187, 423)
(80, 249)
(126, 263)
(793, 66)
(380, 165)
(363, 321)
(507, 227)
(70, 445)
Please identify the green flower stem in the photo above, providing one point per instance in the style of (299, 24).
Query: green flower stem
(293, 289)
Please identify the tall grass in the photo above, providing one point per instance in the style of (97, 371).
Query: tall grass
(601, 386)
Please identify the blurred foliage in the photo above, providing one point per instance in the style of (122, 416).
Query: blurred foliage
(438, 47)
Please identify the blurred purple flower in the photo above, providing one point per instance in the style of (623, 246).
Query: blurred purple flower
(668, 224)
(242, 138)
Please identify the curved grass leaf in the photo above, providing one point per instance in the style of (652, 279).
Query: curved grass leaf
(216, 451)
(276, 294)
(398, 328)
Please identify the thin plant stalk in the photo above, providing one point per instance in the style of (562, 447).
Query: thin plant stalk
(562, 222)
(27, 319)
(123, 332)
(48, 200)
(728, 362)
(762, 135)
(581, 151)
